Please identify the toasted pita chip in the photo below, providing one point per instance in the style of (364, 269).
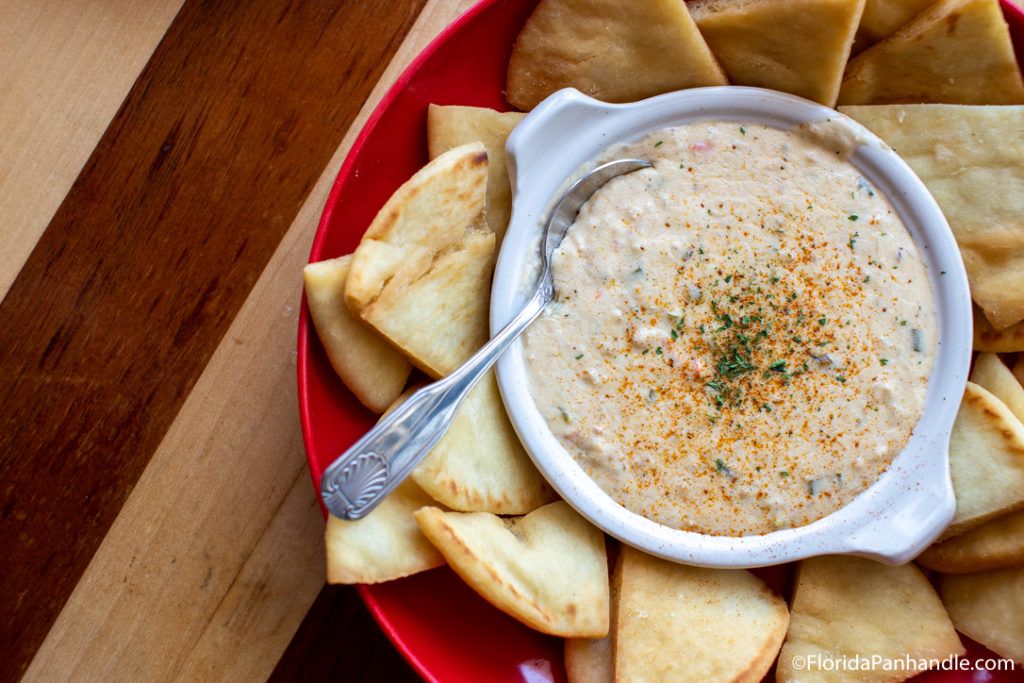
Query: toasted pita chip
(989, 608)
(972, 160)
(992, 374)
(480, 465)
(996, 544)
(856, 609)
(386, 544)
(986, 461)
(954, 52)
(370, 367)
(881, 18)
(421, 274)
(589, 660)
(987, 338)
(796, 46)
(451, 126)
(440, 319)
(675, 622)
(547, 569)
(611, 50)
(1018, 369)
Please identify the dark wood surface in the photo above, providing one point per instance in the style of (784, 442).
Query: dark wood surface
(135, 280)
(340, 641)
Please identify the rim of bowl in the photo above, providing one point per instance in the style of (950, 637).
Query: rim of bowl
(911, 503)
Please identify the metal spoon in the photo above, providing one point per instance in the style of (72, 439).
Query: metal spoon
(366, 473)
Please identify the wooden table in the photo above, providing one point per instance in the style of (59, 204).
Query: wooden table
(163, 164)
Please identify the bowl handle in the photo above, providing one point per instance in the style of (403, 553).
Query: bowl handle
(529, 147)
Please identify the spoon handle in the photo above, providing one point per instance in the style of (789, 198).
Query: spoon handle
(371, 468)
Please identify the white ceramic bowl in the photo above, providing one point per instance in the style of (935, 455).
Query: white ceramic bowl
(910, 504)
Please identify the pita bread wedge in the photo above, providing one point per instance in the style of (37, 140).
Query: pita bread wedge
(679, 623)
(881, 18)
(439, 319)
(386, 544)
(589, 660)
(611, 50)
(421, 274)
(989, 608)
(1018, 369)
(451, 126)
(987, 338)
(972, 160)
(480, 465)
(996, 544)
(991, 373)
(851, 607)
(796, 46)
(954, 52)
(986, 461)
(370, 367)
(547, 569)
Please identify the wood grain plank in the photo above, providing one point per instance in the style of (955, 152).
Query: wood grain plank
(249, 578)
(61, 89)
(259, 614)
(149, 258)
(221, 539)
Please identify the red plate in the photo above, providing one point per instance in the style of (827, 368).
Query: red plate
(447, 632)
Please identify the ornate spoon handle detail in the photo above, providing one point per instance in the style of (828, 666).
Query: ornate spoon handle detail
(371, 469)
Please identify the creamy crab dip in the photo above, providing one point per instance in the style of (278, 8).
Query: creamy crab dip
(741, 336)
